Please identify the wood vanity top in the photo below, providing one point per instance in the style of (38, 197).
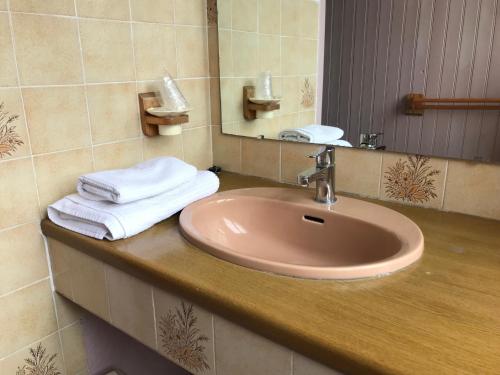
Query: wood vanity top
(439, 316)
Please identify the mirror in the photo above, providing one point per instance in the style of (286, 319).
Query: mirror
(410, 76)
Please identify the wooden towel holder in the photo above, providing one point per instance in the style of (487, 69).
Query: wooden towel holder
(150, 123)
(417, 103)
(250, 109)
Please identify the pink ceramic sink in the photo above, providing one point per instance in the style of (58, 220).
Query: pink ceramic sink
(286, 232)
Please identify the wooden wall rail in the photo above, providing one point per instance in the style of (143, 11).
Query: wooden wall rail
(417, 103)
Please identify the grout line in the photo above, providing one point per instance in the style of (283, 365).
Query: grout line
(291, 361)
(6, 229)
(381, 176)
(214, 352)
(30, 345)
(445, 180)
(106, 268)
(154, 317)
(24, 287)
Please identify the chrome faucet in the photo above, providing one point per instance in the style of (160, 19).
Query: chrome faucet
(323, 174)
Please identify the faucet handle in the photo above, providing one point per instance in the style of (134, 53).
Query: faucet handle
(324, 156)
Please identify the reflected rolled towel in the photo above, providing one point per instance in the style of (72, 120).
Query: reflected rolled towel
(103, 219)
(143, 180)
(312, 134)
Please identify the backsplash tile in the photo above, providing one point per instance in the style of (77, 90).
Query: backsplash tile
(8, 67)
(60, 7)
(110, 9)
(260, 158)
(358, 172)
(161, 11)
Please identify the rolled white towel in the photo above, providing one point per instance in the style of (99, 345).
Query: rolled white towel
(312, 134)
(143, 180)
(102, 219)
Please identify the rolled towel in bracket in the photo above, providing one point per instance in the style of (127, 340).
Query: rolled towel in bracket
(146, 179)
(102, 219)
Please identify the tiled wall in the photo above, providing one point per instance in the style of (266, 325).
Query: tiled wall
(71, 71)
(188, 335)
(445, 184)
(276, 35)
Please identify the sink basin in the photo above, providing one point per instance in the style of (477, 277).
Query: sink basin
(285, 231)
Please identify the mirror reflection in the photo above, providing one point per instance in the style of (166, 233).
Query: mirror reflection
(412, 76)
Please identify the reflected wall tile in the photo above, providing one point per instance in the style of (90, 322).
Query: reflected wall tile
(413, 179)
(225, 53)
(110, 9)
(270, 54)
(13, 106)
(260, 158)
(131, 306)
(473, 188)
(197, 145)
(75, 356)
(294, 160)
(8, 74)
(190, 12)
(163, 146)
(118, 155)
(290, 17)
(47, 49)
(152, 10)
(114, 113)
(270, 16)
(22, 257)
(57, 173)
(292, 57)
(244, 15)
(242, 352)
(245, 60)
(151, 63)
(107, 51)
(308, 19)
(170, 310)
(17, 193)
(57, 118)
(306, 55)
(224, 13)
(227, 151)
(25, 316)
(60, 7)
(358, 171)
(192, 56)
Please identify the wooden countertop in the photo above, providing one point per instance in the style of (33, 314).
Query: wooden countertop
(439, 316)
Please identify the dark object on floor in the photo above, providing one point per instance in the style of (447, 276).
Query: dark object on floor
(215, 169)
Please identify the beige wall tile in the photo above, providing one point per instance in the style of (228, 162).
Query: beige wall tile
(473, 188)
(47, 50)
(291, 56)
(358, 171)
(110, 9)
(224, 14)
(270, 16)
(22, 257)
(196, 92)
(153, 10)
(227, 150)
(245, 47)
(57, 118)
(305, 366)
(294, 160)
(192, 57)
(190, 12)
(17, 193)
(397, 183)
(88, 282)
(225, 53)
(290, 17)
(13, 105)
(25, 316)
(8, 74)
(260, 158)
(242, 352)
(67, 311)
(62, 7)
(168, 310)
(309, 19)
(114, 113)
(198, 147)
(270, 54)
(290, 95)
(3, 4)
(163, 146)
(244, 15)
(75, 356)
(51, 344)
(57, 173)
(118, 155)
(107, 51)
(152, 62)
(306, 54)
(131, 306)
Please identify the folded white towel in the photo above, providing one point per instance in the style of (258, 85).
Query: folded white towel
(312, 134)
(144, 180)
(101, 219)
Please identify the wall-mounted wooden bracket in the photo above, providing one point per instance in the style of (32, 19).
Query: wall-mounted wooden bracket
(150, 123)
(250, 109)
(417, 103)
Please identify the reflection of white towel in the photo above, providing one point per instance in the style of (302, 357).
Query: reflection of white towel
(101, 219)
(312, 134)
(339, 142)
(144, 180)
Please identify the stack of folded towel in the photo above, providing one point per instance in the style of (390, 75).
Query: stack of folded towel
(321, 134)
(121, 203)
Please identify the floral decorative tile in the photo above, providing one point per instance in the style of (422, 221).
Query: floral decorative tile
(413, 179)
(307, 94)
(184, 333)
(39, 362)
(10, 139)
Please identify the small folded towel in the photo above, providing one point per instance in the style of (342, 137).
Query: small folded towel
(143, 180)
(312, 134)
(101, 219)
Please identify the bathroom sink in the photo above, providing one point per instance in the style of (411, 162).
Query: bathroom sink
(285, 231)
